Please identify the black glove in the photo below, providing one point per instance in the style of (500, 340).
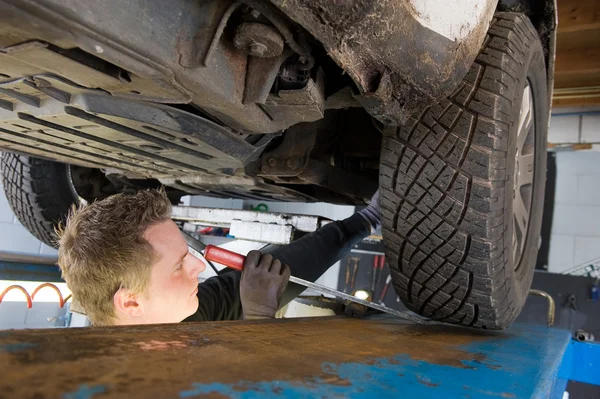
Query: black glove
(262, 284)
(372, 212)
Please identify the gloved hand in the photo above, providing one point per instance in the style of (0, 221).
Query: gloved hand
(262, 284)
(371, 212)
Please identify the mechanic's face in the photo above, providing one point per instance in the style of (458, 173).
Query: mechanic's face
(174, 280)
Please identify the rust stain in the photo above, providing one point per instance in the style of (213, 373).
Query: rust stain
(427, 383)
(162, 360)
(161, 345)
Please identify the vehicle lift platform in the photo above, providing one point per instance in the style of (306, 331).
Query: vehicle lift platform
(379, 356)
(323, 357)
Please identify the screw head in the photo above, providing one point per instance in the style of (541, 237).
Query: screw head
(272, 161)
(264, 168)
(257, 49)
(292, 163)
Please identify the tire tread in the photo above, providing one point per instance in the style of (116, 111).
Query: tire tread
(443, 179)
(38, 193)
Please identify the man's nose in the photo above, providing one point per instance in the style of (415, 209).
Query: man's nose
(197, 267)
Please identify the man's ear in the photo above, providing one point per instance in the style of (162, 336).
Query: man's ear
(127, 303)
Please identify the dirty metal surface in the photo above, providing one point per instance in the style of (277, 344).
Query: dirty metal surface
(94, 129)
(181, 56)
(321, 357)
(398, 64)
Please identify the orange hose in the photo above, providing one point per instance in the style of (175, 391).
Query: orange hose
(23, 290)
(61, 302)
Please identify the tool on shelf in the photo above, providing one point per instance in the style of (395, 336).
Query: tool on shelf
(236, 261)
(374, 275)
(385, 289)
(347, 280)
(381, 264)
(356, 263)
(378, 261)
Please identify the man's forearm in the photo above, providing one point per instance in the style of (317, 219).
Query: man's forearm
(311, 256)
(308, 258)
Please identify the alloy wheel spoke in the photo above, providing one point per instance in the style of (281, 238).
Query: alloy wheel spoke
(525, 119)
(523, 173)
(521, 214)
(525, 176)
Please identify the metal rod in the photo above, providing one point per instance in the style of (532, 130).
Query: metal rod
(551, 304)
(326, 290)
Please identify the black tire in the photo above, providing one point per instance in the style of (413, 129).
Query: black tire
(39, 192)
(447, 187)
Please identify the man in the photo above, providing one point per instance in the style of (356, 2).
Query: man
(126, 262)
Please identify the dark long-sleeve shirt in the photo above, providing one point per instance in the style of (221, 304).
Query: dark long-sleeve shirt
(308, 258)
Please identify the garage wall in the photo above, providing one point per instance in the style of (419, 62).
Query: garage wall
(14, 237)
(575, 235)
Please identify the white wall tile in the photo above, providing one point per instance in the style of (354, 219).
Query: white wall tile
(48, 251)
(588, 189)
(562, 249)
(586, 249)
(564, 129)
(566, 189)
(590, 128)
(588, 221)
(563, 221)
(6, 214)
(576, 220)
(15, 238)
(577, 163)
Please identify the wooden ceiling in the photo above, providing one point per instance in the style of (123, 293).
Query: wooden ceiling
(577, 75)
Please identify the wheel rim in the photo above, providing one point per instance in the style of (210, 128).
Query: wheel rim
(80, 200)
(523, 175)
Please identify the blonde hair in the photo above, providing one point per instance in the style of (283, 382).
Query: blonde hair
(102, 248)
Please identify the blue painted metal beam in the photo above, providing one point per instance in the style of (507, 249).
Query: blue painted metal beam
(581, 362)
(29, 272)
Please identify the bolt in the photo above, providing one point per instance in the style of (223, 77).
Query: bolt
(272, 161)
(41, 83)
(264, 168)
(255, 13)
(292, 163)
(257, 49)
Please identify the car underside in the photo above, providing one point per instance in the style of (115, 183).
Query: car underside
(443, 106)
(282, 100)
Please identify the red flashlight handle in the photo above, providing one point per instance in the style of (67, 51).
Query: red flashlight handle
(224, 257)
